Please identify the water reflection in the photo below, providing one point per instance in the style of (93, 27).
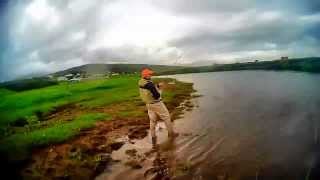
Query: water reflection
(162, 163)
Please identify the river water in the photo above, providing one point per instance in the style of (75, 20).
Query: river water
(246, 125)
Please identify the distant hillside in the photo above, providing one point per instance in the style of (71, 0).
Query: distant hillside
(27, 84)
(311, 64)
(115, 68)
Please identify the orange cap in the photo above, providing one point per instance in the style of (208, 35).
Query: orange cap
(146, 72)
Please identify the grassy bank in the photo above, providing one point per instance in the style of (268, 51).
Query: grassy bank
(19, 108)
(40, 117)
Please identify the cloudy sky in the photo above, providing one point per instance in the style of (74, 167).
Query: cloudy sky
(42, 36)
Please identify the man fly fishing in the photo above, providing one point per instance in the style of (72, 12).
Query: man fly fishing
(151, 96)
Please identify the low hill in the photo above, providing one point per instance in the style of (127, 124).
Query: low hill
(115, 68)
(310, 64)
(27, 84)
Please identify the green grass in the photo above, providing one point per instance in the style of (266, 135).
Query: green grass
(20, 144)
(15, 105)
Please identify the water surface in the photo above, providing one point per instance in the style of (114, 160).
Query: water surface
(247, 125)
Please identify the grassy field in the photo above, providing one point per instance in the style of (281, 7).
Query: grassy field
(26, 120)
(23, 106)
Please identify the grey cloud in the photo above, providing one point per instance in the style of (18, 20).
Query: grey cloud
(191, 7)
(130, 54)
(36, 36)
(228, 29)
(254, 34)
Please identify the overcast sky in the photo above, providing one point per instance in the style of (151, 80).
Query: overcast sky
(42, 36)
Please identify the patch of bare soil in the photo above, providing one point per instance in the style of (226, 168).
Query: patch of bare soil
(86, 155)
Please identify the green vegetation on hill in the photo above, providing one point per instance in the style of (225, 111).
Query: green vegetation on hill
(27, 84)
(301, 64)
(115, 68)
(311, 64)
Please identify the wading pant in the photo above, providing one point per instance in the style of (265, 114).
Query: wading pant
(159, 110)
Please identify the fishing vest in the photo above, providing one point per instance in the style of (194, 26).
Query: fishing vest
(145, 94)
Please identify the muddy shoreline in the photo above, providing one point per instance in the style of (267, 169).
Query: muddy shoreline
(88, 154)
